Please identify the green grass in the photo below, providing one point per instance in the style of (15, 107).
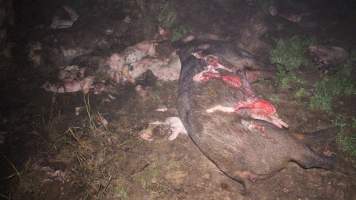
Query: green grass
(346, 136)
(347, 143)
(301, 93)
(121, 192)
(167, 18)
(289, 55)
(340, 84)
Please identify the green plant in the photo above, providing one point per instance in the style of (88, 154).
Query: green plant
(290, 53)
(353, 124)
(122, 192)
(346, 136)
(274, 98)
(347, 143)
(340, 122)
(178, 32)
(301, 92)
(285, 78)
(167, 18)
(88, 110)
(331, 86)
(168, 15)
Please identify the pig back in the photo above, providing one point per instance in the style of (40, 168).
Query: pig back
(223, 138)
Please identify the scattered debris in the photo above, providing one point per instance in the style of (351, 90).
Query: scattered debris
(101, 120)
(78, 110)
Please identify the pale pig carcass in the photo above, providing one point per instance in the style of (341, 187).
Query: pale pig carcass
(244, 149)
(138, 59)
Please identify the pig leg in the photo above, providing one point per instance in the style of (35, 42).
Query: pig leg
(245, 178)
(309, 159)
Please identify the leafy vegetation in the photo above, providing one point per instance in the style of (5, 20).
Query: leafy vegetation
(332, 86)
(167, 18)
(289, 55)
(339, 84)
(346, 137)
(301, 93)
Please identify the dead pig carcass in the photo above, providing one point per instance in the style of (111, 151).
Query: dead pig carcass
(238, 149)
(135, 60)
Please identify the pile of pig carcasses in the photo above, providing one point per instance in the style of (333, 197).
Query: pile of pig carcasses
(241, 153)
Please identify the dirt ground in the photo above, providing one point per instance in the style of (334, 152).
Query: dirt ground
(50, 152)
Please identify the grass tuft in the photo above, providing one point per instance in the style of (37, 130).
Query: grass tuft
(289, 55)
(340, 84)
(167, 18)
(346, 136)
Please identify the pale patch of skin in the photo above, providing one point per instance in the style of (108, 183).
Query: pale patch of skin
(69, 86)
(176, 126)
(221, 108)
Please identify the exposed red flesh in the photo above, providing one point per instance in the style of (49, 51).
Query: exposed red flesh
(232, 80)
(257, 106)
